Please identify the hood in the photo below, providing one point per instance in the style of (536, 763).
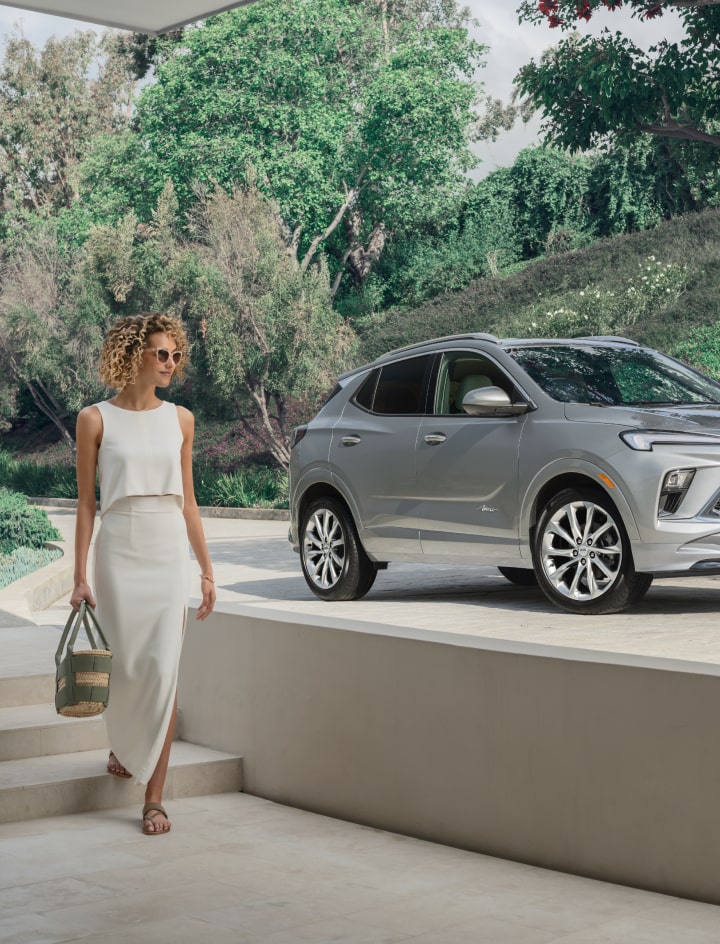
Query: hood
(690, 419)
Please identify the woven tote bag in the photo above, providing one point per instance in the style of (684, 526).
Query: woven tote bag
(82, 677)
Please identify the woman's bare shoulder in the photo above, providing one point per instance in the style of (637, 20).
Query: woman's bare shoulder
(185, 418)
(90, 416)
(89, 425)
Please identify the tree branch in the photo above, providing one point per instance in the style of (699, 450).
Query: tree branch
(683, 132)
(670, 128)
(350, 197)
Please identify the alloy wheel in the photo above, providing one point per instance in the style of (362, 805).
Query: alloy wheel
(582, 550)
(324, 548)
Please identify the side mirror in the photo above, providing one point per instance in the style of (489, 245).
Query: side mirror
(491, 401)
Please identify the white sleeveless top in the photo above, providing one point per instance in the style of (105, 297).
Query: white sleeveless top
(139, 453)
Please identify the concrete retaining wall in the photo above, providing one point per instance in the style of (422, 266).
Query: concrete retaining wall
(602, 765)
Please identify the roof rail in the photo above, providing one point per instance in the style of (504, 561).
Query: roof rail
(512, 342)
(608, 337)
(470, 336)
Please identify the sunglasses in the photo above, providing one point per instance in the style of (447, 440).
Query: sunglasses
(163, 355)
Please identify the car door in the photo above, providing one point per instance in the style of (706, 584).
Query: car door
(372, 456)
(467, 467)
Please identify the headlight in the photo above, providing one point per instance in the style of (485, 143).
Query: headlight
(674, 488)
(645, 439)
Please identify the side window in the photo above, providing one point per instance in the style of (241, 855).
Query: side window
(366, 394)
(397, 388)
(459, 373)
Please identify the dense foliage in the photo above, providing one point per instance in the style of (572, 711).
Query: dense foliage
(23, 525)
(356, 115)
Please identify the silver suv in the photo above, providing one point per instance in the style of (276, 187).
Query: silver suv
(588, 465)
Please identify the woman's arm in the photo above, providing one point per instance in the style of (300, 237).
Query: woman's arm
(88, 436)
(193, 521)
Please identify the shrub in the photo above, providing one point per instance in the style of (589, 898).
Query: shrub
(254, 487)
(701, 349)
(24, 561)
(23, 525)
(596, 311)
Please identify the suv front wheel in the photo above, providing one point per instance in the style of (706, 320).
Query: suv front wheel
(582, 554)
(334, 562)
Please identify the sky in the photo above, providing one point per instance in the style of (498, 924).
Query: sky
(510, 44)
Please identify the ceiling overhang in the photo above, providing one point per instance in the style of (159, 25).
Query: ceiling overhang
(141, 16)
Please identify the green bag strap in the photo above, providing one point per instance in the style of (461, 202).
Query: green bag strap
(89, 617)
(77, 618)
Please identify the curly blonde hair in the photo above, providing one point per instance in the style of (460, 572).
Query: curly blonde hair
(122, 351)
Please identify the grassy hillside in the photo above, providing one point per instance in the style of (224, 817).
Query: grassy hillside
(501, 305)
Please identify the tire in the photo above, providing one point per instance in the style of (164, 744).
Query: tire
(334, 563)
(582, 554)
(522, 576)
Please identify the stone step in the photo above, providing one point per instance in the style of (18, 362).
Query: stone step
(37, 730)
(18, 690)
(56, 784)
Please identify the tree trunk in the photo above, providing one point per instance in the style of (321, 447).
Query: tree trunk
(277, 446)
(363, 258)
(47, 405)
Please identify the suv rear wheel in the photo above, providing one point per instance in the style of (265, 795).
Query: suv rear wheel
(582, 554)
(334, 563)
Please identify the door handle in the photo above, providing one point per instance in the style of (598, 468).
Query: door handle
(350, 440)
(434, 439)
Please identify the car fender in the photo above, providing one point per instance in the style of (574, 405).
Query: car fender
(589, 470)
(343, 489)
(320, 474)
(316, 474)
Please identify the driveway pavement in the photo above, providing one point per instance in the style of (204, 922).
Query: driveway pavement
(255, 564)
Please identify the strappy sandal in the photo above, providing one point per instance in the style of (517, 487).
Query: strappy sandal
(123, 774)
(149, 819)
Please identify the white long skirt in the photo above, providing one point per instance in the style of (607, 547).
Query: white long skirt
(142, 563)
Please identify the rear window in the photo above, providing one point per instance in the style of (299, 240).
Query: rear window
(399, 388)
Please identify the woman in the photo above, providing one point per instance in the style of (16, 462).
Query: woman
(141, 449)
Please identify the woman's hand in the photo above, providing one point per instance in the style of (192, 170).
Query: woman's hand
(207, 587)
(82, 592)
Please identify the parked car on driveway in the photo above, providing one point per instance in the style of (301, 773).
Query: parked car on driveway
(588, 465)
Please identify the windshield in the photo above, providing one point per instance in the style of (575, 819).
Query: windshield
(614, 376)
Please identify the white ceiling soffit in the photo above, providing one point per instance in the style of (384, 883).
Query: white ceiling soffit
(141, 16)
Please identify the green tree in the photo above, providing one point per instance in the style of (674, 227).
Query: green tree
(472, 235)
(594, 88)
(263, 329)
(52, 103)
(267, 325)
(357, 115)
(550, 194)
(51, 321)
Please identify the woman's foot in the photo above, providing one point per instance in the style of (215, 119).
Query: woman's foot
(115, 768)
(155, 820)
